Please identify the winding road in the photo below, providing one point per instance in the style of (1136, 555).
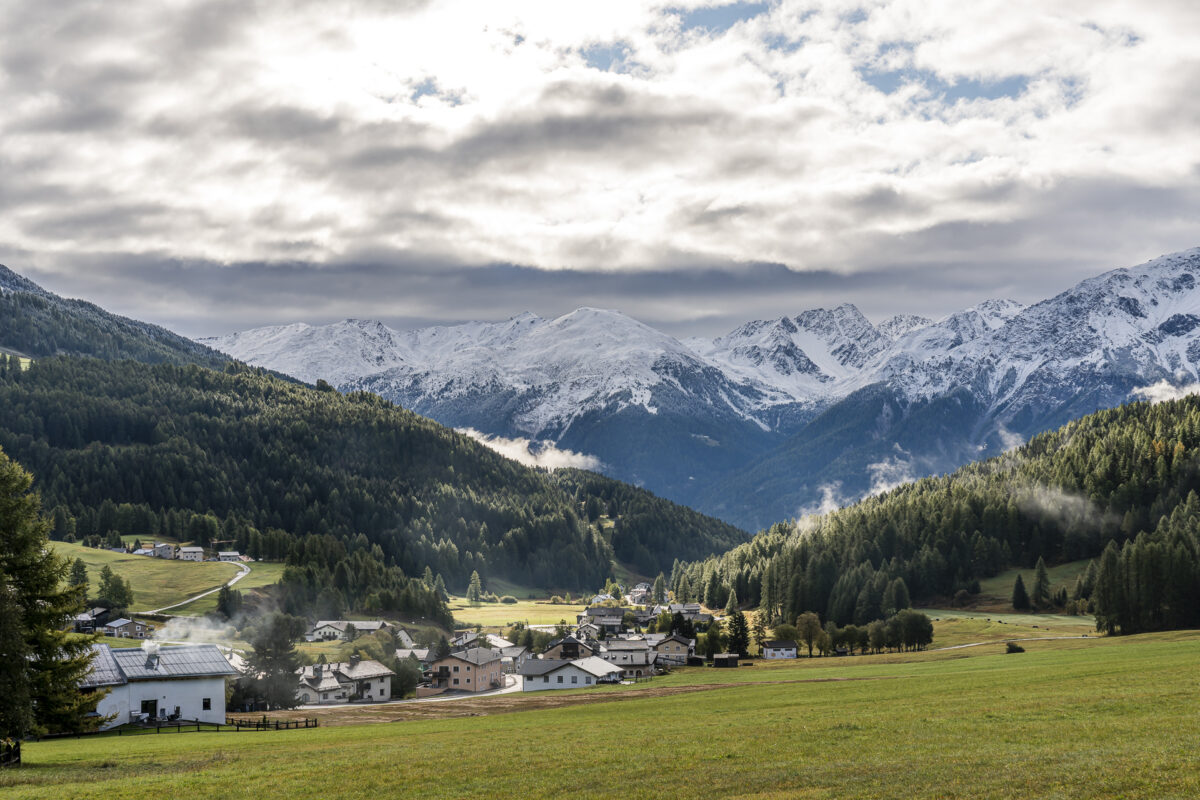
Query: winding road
(245, 571)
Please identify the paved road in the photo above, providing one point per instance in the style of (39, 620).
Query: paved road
(245, 571)
(512, 683)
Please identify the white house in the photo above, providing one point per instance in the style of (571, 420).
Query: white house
(152, 682)
(229, 555)
(634, 656)
(164, 550)
(540, 674)
(341, 682)
(329, 629)
(191, 554)
(778, 648)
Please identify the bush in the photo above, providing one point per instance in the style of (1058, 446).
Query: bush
(1013, 647)
(508, 598)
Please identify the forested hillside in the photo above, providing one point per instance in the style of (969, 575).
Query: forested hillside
(342, 485)
(39, 323)
(649, 532)
(1121, 479)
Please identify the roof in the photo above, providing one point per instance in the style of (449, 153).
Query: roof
(360, 625)
(363, 670)
(104, 670)
(228, 553)
(542, 666)
(118, 623)
(597, 666)
(674, 637)
(476, 655)
(570, 640)
(605, 611)
(626, 644)
(191, 549)
(419, 653)
(114, 667)
(781, 644)
(513, 652)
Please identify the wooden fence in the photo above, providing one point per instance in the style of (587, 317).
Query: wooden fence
(230, 726)
(265, 724)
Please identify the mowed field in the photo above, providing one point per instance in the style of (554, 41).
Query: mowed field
(498, 616)
(995, 593)
(262, 573)
(156, 582)
(1080, 718)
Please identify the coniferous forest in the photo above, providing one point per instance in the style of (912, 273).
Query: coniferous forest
(351, 490)
(1119, 485)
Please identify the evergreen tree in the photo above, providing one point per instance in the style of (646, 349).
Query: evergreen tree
(439, 587)
(739, 634)
(1020, 598)
(1041, 586)
(273, 661)
(758, 629)
(79, 575)
(442, 650)
(731, 606)
(475, 589)
(714, 640)
(659, 592)
(39, 684)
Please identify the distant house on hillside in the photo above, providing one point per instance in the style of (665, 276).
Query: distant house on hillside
(671, 649)
(191, 554)
(229, 555)
(151, 682)
(127, 629)
(569, 648)
(344, 681)
(88, 621)
(634, 656)
(326, 630)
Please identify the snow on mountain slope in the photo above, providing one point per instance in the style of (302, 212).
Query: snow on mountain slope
(679, 415)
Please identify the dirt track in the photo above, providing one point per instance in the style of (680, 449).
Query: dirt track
(502, 704)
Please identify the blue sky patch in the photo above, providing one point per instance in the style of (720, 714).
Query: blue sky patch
(718, 19)
(962, 89)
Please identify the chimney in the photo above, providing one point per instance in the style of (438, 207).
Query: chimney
(317, 670)
(354, 659)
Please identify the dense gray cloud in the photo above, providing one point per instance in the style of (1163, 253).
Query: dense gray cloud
(216, 165)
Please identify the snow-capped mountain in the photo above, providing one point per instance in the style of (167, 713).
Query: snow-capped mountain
(802, 403)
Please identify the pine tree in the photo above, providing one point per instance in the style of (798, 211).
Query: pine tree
(1020, 598)
(739, 634)
(1041, 585)
(439, 587)
(79, 576)
(475, 589)
(274, 659)
(39, 686)
(731, 606)
(660, 589)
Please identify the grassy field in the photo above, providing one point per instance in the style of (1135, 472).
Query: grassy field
(996, 592)
(1084, 718)
(262, 573)
(156, 582)
(957, 627)
(498, 616)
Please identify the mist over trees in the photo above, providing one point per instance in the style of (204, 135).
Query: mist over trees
(1118, 482)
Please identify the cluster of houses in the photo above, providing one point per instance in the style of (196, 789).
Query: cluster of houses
(98, 620)
(170, 551)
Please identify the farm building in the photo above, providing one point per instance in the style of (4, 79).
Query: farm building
(191, 554)
(778, 648)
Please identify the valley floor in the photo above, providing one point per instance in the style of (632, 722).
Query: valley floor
(1096, 717)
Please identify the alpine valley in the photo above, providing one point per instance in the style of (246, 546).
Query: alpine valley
(777, 417)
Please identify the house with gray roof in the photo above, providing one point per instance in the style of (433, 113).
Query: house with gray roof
(344, 681)
(540, 674)
(152, 682)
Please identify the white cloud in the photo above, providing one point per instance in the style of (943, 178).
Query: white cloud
(888, 474)
(1162, 391)
(477, 132)
(535, 453)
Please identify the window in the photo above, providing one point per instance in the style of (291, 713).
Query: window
(468, 669)
(588, 680)
(324, 695)
(206, 704)
(574, 679)
(545, 679)
(560, 678)
(456, 681)
(456, 667)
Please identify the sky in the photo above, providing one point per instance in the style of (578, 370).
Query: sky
(216, 165)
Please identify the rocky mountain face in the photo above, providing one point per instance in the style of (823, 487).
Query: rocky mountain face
(777, 416)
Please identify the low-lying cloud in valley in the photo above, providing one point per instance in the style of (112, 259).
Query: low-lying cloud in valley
(1163, 390)
(533, 453)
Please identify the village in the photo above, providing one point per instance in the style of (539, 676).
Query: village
(160, 683)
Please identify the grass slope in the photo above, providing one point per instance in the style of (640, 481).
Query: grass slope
(156, 582)
(497, 616)
(262, 574)
(1105, 718)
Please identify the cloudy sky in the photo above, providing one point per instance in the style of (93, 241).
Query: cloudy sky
(214, 165)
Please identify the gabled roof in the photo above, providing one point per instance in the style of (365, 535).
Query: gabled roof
(626, 644)
(118, 623)
(191, 549)
(605, 611)
(781, 644)
(542, 666)
(674, 637)
(419, 653)
(363, 670)
(476, 655)
(182, 661)
(597, 666)
(104, 670)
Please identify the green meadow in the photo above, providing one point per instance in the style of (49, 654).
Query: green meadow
(156, 582)
(262, 574)
(498, 616)
(1077, 719)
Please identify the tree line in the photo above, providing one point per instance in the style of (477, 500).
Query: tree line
(1117, 483)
